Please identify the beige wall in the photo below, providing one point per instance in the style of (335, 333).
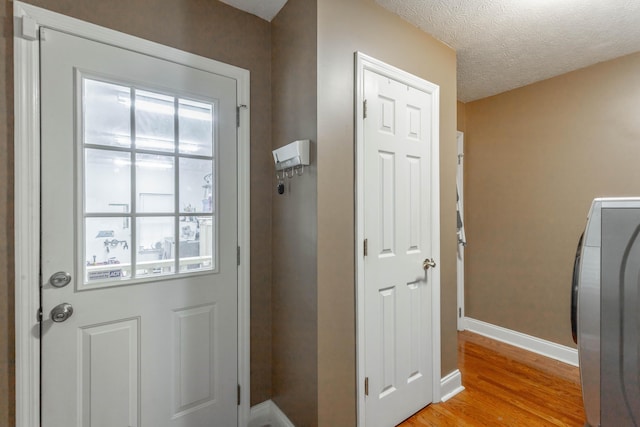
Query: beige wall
(343, 28)
(535, 158)
(205, 27)
(294, 249)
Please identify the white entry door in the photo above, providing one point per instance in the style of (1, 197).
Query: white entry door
(139, 239)
(398, 263)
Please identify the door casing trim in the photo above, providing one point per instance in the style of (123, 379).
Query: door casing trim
(460, 252)
(364, 62)
(27, 21)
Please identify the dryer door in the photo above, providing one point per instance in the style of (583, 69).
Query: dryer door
(620, 317)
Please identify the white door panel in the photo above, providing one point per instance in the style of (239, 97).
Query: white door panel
(397, 223)
(152, 340)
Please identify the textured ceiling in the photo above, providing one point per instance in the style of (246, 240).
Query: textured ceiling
(265, 9)
(505, 44)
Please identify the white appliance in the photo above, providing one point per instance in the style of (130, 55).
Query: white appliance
(606, 312)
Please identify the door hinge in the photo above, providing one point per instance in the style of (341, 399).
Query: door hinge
(366, 386)
(238, 113)
(39, 315)
(238, 394)
(238, 255)
(366, 247)
(364, 109)
(459, 311)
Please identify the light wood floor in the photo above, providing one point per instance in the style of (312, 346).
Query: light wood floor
(507, 386)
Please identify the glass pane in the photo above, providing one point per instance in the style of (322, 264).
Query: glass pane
(155, 183)
(106, 250)
(107, 181)
(156, 248)
(196, 243)
(155, 118)
(197, 185)
(107, 114)
(196, 127)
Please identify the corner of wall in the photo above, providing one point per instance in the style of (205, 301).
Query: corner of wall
(294, 216)
(461, 113)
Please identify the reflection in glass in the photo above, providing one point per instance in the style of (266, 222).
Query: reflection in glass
(196, 243)
(154, 219)
(156, 252)
(195, 127)
(155, 118)
(107, 116)
(107, 181)
(197, 185)
(154, 183)
(107, 251)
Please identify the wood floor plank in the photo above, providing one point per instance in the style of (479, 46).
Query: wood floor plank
(507, 386)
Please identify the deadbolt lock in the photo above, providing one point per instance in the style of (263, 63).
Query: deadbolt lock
(60, 279)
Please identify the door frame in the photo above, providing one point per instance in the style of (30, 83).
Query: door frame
(27, 21)
(364, 62)
(460, 251)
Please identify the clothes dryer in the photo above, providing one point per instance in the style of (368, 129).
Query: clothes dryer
(606, 312)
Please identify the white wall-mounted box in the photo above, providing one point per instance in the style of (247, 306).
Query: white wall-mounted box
(292, 155)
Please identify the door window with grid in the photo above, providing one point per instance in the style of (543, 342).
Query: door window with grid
(149, 186)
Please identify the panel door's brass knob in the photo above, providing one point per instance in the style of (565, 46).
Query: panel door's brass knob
(428, 263)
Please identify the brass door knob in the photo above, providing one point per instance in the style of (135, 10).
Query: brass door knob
(428, 263)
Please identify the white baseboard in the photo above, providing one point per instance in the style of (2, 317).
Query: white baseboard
(267, 414)
(536, 345)
(451, 385)
(260, 414)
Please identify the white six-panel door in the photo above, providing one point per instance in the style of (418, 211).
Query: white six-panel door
(397, 227)
(139, 206)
